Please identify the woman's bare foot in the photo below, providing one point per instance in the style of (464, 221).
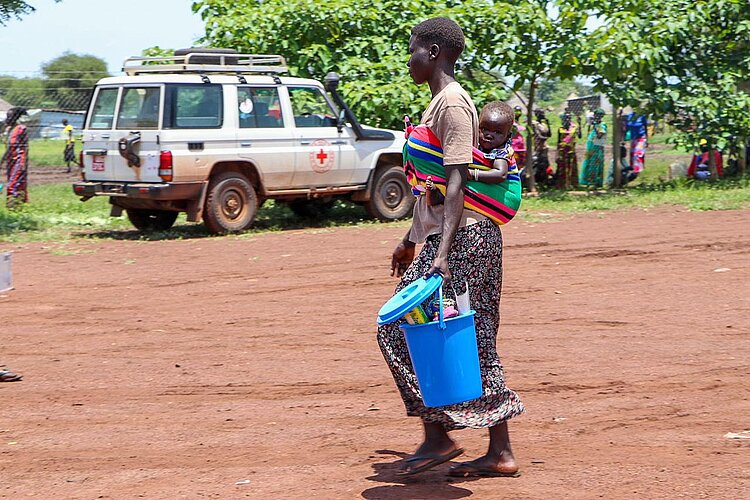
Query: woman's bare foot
(498, 462)
(487, 466)
(437, 448)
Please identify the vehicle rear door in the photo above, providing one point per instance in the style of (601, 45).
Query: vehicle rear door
(98, 133)
(265, 134)
(324, 156)
(135, 117)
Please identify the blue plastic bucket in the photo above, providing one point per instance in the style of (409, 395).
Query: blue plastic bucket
(445, 360)
(443, 353)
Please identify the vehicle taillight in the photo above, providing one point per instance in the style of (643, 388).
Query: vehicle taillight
(165, 166)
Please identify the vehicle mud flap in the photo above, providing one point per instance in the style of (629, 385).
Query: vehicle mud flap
(195, 207)
(115, 210)
(127, 146)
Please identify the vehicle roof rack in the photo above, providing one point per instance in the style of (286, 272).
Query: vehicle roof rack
(207, 62)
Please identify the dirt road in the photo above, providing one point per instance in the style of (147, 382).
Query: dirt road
(248, 367)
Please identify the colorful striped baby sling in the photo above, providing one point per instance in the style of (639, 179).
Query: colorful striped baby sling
(423, 156)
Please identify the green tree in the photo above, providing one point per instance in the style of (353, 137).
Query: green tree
(70, 78)
(679, 59)
(14, 9)
(26, 92)
(524, 42)
(532, 41)
(365, 42)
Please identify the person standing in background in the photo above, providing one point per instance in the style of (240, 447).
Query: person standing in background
(517, 141)
(540, 159)
(567, 161)
(592, 170)
(16, 158)
(637, 126)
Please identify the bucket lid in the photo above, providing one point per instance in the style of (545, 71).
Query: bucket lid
(409, 298)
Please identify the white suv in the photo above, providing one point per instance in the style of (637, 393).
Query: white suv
(214, 133)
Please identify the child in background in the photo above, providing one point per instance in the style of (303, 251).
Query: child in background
(69, 154)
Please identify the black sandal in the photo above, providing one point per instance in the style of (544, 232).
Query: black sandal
(6, 376)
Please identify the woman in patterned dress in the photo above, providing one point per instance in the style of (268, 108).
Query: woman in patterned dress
(17, 159)
(567, 162)
(592, 170)
(464, 247)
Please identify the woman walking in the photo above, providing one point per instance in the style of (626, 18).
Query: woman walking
(17, 159)
(592, 170)
(463, 246)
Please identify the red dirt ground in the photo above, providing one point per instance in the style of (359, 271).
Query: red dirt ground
(178, 369)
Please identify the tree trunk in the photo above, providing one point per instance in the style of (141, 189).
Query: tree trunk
(712, 163)
(742, 158)
(530, 174)
(616, 139)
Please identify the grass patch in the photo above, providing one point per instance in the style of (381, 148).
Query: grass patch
(724, 195)
(55, 213)
(48, 152)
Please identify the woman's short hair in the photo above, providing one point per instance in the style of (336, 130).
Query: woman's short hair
(443, 32)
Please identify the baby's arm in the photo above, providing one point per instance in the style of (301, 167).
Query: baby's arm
(498, 174)
(433, 194)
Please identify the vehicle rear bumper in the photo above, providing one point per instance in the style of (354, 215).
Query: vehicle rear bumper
(140, 190)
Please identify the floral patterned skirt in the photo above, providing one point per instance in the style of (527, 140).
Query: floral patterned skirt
(476, 258)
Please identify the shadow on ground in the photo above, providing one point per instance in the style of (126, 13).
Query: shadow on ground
(433, 484)
(274, 217)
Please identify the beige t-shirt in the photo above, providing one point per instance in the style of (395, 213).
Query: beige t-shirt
(452, 117)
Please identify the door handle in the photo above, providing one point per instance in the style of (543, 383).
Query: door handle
(338, 143)
(305, 143)
(105, 136)
(246, 144)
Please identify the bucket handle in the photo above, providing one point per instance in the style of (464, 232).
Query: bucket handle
(441, 318)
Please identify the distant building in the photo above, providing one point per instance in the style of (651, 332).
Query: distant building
(587, 104)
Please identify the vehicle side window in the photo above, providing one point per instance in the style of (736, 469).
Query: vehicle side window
(194, 106)
(103, 113)
(259, 107)
(310, 107)
(139, 108)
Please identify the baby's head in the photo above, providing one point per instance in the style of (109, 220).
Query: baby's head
(495, 124)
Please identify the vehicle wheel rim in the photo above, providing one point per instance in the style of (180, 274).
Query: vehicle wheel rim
(393, 194)
(233, 204)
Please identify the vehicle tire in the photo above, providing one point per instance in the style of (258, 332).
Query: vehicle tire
(231, 204)
(151, 220)
(311, 209)
(391, 196)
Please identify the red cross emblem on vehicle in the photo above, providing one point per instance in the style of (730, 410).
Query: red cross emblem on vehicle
(322, 156)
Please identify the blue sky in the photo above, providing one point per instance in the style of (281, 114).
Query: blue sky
(109, 29)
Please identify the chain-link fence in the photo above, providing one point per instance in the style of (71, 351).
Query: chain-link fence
(48, 103)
